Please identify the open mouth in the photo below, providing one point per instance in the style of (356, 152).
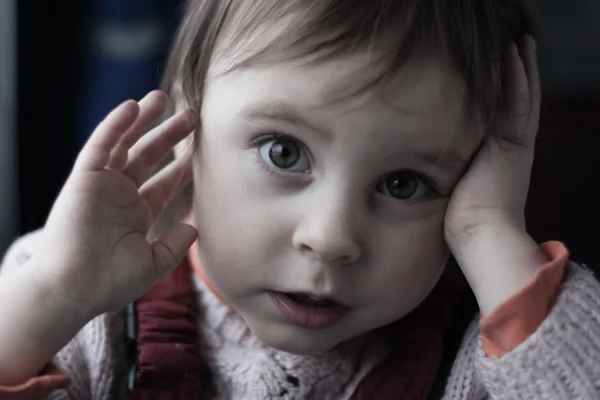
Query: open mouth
(309, 311)
(312, 300)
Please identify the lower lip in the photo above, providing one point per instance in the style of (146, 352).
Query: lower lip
(306, 315)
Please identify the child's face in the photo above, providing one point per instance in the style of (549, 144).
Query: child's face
(299, 191)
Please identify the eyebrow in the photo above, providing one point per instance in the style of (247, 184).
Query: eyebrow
(282, 113)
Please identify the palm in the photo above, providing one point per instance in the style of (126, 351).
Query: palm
(112, 211)
(101, 219)
(495, 186)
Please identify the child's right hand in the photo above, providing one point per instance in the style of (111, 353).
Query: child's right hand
(95, 248)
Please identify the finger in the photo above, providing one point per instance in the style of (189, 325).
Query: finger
(529, 57)
(162, 188)
(152, 106)
(157, 144)
(96, 152)
(171, 248)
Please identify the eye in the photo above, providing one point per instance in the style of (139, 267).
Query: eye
(285, 154)
(405, 185)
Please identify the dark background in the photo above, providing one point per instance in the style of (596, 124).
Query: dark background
(78, 59)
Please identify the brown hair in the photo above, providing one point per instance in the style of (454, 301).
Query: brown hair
(473, 34)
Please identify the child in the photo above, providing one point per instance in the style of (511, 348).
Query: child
(341, 150)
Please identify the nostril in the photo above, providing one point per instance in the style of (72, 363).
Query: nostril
(305, 248)
(345, 259)
(328, 247)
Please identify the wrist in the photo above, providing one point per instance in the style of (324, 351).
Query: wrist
(37, 322)
(498, 261)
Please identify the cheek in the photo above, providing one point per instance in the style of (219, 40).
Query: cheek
(236, 224)
(416, 258)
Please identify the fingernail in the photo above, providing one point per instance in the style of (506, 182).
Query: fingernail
(147, 96)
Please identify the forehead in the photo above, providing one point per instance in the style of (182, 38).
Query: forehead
(426, 95)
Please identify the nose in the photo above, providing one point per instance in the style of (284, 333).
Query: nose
(326, 232)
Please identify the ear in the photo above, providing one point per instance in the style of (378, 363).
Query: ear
(185, 146)
(179, 208)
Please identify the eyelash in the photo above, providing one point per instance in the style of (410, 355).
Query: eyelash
(432, 187)
(259, 140)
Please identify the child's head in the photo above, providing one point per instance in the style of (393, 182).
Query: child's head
(332, 134)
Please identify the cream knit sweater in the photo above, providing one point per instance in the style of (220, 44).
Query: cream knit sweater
(561, 360)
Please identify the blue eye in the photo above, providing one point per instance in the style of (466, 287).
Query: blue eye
(285, 155)
(404, 185)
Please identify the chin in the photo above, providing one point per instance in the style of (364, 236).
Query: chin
(292, 339)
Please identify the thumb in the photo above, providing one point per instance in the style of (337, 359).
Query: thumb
(505, 169)
(171, 247)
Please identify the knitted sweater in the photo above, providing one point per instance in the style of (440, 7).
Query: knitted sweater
(557, 361)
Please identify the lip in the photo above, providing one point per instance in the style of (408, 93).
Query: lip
(306, 315)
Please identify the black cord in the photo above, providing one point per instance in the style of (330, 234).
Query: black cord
(131, 350)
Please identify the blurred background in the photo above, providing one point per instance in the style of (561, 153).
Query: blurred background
(65, 64)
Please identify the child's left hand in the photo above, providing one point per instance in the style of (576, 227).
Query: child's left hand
(485, 223)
